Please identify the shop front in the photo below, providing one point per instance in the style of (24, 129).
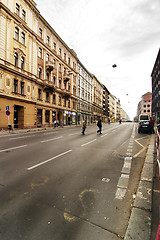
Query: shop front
(69, 118)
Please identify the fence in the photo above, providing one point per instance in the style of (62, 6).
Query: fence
(158, 160)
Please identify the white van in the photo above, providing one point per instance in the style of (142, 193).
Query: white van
(144, 117)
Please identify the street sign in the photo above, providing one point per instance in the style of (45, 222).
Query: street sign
(7, 112)
(7, 108)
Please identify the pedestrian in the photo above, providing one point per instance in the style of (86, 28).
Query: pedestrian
(108, 121)
(120, 121)
(151, 123)
(99, 125)
(84, 125)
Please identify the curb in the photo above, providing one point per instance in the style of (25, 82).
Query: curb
(139, 226)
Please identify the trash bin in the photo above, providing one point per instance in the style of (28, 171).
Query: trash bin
(9, 127)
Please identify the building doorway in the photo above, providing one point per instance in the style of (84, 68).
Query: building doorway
(18, 116)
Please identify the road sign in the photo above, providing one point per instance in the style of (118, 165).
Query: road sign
(7, 108)
(7, 112)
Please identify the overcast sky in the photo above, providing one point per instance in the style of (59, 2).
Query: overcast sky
(107, 32)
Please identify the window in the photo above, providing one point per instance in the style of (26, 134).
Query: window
(47, 96)
(47, 75)
(47, 57)
(69, 103)
(39, 94)
(54, 79)
(22, 88)
(23, 15)
(16, 33)
(64, 103)
(15, 85)
(54, 63)
(60, 51)
(65, 56)
(47, 116)
(59, 67)
(54, 99)
(59, 83)
(40, 32)
(40, 52)
(54, 46)
(69, 60)
(23, 38)
(17, 9)
(59, 100)
(148, 105)
(48, 40)
(40, 73)
(16, 60)
(22, 63)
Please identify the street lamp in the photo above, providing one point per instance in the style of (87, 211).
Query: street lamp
(114, 65)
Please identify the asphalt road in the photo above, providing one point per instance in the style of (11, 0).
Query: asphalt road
(61, 185)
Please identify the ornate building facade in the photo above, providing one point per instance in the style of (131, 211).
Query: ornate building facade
(84, 94)
(38, 71)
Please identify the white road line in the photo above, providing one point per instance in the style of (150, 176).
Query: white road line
(8, 149)
(39, 164)
(52, 139)
(88, 142)
(104, 135)
(21, 137)
(73, 134)
(50, 133)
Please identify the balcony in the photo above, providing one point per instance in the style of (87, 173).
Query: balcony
(49, 66)
(66, 78)
(66, 93)
(48, 85)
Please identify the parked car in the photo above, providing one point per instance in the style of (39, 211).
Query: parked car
(144, 126)
(144, 117)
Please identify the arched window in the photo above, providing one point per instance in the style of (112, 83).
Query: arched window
(15, 59)
(22, 63)
(47, 75)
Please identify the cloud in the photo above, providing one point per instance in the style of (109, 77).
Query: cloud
(106, 32)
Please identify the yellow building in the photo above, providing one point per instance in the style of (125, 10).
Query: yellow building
(38, 71)
(97, 99)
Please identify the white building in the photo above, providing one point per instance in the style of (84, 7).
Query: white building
(84, 95)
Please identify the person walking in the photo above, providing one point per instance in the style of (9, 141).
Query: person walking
(99, 125)
(84, 125)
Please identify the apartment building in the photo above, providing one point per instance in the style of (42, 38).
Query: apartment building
(112, 107)
(118, 114)
(146, 104)
(105, 104)
(84, 95)
(155, 75)
(38, 71)
(97, 99)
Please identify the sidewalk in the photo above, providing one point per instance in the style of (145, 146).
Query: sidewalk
(16, 131)
(143, 223)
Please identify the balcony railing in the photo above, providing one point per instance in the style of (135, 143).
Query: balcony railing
(49, 85)
(49, 66)
(66, 93)
(66, 78)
